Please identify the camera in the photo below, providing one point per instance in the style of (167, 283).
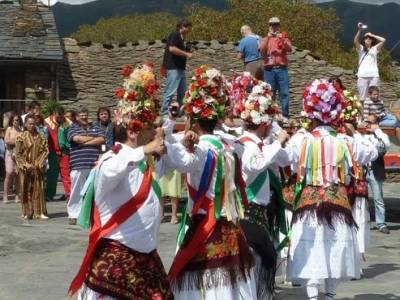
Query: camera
(189, 47)
(174, 110)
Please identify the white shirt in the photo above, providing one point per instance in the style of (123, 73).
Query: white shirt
(368, 67)
(118, 179)
(255, 161)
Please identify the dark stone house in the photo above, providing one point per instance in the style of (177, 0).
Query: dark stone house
(30, 53)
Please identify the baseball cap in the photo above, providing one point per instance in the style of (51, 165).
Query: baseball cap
(274, 20)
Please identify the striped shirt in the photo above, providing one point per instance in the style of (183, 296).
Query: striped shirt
(373, 108)
(83, 157)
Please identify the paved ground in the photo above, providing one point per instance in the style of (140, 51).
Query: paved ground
(39, 258)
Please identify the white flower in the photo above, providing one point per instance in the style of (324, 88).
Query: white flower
(257, 90)
(209, 100)
(247, 104)
(212, 73)
(255, 114)
(325, 96)
(264, 102)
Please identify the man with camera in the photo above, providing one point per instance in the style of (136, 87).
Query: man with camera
(274, 48)
(175, 56)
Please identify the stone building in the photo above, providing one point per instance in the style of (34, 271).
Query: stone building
(30, 52)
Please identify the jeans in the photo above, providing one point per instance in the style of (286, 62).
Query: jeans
(377, 195)
(278, 78)
(389, 120)
(176, 82)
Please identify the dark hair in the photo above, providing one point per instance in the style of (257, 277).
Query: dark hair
(38, 119)
(83, 110)
(373, 88)
(120, 133)
(103, 108)
(33, 104)
(10, 121)
(30, 116)
(251, 126)
(338, 80)
(73, 114)
(208, 125)
(373, 42)
(183, 23)
(59, 110)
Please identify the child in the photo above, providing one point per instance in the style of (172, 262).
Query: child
(373, 105)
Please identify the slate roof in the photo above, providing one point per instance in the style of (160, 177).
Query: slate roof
(34, 38)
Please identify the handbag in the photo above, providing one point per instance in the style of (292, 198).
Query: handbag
(355, 71)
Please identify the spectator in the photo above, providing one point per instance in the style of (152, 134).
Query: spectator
(274, 48)
(65, 148)
(105, 123)
(248, 50)
(376, 174)
(86, 139)
(337, 83)
(396, 111)
(33, 108)
(57, 161)
(367, 49)
(171, 187)
(70, 116)
(31, 153)
(2, 153)
(40, 126)
(14, 128)
(373, 105)
(175, 56)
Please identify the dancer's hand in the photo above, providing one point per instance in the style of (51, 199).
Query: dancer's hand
(190, 139)
(156, 146)
(283, 136)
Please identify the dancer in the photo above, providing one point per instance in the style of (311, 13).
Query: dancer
(323, 241)
(213, 260)
(255, 110)
(122, 261)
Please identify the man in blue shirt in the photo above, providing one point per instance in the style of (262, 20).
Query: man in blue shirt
(249, 52)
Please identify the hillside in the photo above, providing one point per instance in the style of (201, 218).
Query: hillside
(69, 17)
(381, 19)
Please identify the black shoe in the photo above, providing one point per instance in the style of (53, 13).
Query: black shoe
(384, 229)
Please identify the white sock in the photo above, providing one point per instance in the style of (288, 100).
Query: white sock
(312, 289)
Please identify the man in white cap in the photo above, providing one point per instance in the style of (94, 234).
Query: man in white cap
(274, 48)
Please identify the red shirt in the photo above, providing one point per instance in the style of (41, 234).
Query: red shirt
(53, 140)
(276, 50)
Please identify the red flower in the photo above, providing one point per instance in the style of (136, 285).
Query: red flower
(202, 83)
(314, 99)
(131, 96)
(322, 86)
(189, 108)
(199, 71)
(213, 91)
(149, 64)
(126, 70)
(116, 148)
(147, 116)
(119, 93)
(135, 125)
(198, 103)
(151, 88)
(256, 106)
(206, 113)
(157, 296)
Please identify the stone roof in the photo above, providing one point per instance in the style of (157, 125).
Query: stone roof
(28, 32)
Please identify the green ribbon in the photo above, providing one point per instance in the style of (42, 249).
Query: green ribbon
(220, 167)
(154, 184)
(183, 225)
(253, 188)
(84, 218)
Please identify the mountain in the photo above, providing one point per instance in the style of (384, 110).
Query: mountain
(70, 17)
(382, 19)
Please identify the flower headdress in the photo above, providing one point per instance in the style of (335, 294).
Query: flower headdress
(352, 107)
(322, 101)
(207, 94)
(251, 99)
(137, 97)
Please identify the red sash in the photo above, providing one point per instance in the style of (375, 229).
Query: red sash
(200, 237)
(97, 231)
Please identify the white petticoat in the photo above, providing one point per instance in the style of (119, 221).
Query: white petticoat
(318, 252)
(362, 218)
(85, 293)
(244, 290)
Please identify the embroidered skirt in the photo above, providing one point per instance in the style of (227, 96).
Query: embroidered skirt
(220, 267)
(256, 230)
(123, 273)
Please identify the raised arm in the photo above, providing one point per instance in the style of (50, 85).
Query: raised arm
(357, 38)
(381, 40)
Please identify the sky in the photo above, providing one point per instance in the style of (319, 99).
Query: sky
(319, 1)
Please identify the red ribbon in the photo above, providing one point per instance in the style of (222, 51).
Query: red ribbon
(97, 231)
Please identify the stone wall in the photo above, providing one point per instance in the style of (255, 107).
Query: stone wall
(91, 72)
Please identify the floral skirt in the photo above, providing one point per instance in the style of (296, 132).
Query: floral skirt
(123, 273)
(223, 261)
